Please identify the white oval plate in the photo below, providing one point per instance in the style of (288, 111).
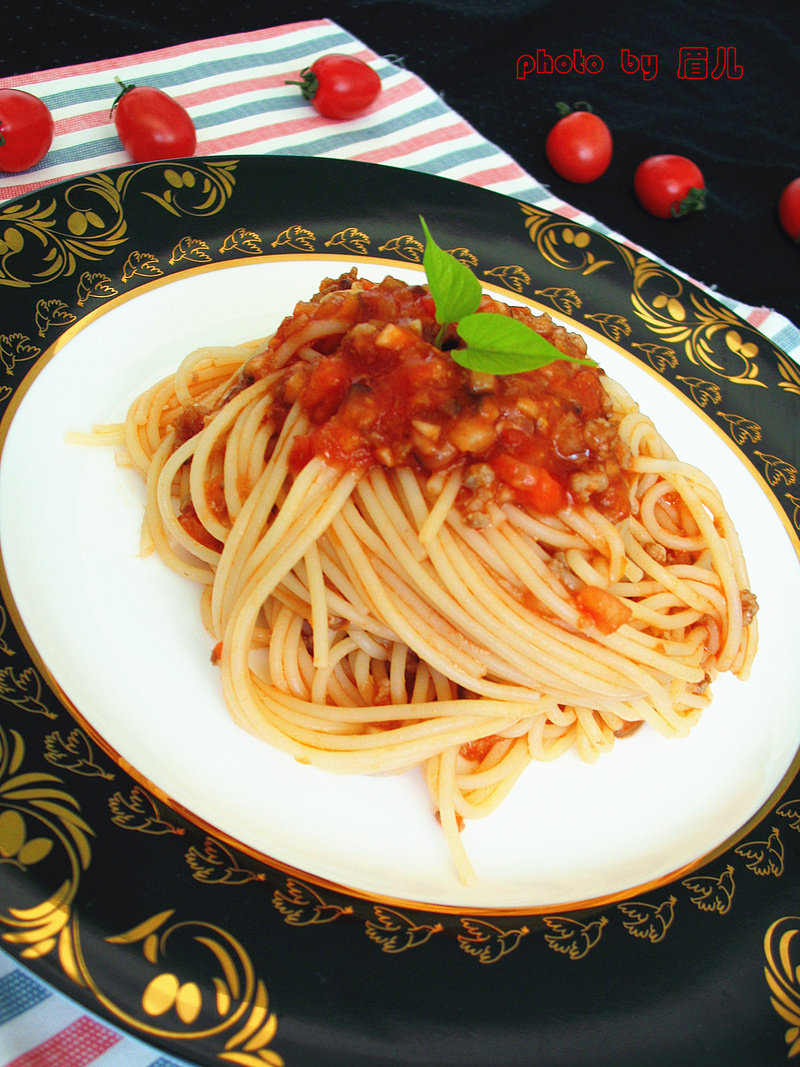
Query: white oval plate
(121, 635)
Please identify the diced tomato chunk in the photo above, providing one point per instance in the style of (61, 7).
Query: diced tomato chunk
(215, 497)
(301, 452)
(478, 749)
(614, 503)
(325, 389)
(195, 529)
(587, 393)
(535, 486)
(606, 610)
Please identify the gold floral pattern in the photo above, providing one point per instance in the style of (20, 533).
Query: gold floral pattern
(138, 811)
(74, 753)
(571, 937)
(563, 299)
(680, 315)
(615, 327)
(703, 392)
(568, 245)
(215, 864)
(512, 277)
(782, 971)
(141, 265)
(790, 809)
(94, 286)
(17, 348)
(190, 250)
(795, 514)
(296, 237)
(406, 246)
(41, 823)
(300, 905)
(660, 357)
(396, 932)
(15, 845)
(712, 893)
(742, 429)
(488, 943)
(350, 239)
(52, 313)
(709, 333)
(36, 815)
(764, 858)
(23, 689)
(464, 255)
(33, 251)
(5, 647)
(242, 242)
(648, 920)
(195, 189)
(36, 247)
(175, 1005)
(789, 373)
(778, 471)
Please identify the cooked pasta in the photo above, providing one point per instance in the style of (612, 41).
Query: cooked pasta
(408, 564)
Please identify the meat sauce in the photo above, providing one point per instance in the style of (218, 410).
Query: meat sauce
(380, 392)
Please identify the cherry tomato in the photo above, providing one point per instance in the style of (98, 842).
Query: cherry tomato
(789, 209)
(26, 130)
(579, 147)
(151, 125)
(669, 186)
(339, 86)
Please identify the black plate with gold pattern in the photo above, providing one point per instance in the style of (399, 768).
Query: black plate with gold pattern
(255, 965)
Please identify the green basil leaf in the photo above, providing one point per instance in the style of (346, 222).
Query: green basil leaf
(455, 289)
(498, 344)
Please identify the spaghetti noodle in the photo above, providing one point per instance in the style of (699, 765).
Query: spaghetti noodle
(405, 563)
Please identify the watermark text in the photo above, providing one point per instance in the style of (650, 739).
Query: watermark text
(694, 63)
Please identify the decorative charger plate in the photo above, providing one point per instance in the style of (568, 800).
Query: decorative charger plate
(225, 904)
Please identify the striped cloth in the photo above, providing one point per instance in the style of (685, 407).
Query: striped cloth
(234, 88)
(41, 1028)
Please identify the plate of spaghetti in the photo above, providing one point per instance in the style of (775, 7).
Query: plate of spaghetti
(328, 607)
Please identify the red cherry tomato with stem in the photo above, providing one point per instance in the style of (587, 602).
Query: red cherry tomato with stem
(579, 147)
(152, 125)
(669, 186)
(789, 209)
(26, 130)
(339, 86)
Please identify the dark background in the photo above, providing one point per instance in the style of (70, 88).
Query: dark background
(742, 132)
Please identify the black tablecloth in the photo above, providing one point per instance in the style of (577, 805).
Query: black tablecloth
(740, 127)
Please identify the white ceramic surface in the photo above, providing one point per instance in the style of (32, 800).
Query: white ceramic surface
(123, 638)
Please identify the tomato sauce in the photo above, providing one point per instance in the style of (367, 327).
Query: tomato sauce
(381, 392)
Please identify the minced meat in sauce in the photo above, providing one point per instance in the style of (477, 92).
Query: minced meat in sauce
(378, 391)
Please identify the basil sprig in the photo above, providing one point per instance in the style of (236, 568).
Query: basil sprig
(496, 344)
(455, 290)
